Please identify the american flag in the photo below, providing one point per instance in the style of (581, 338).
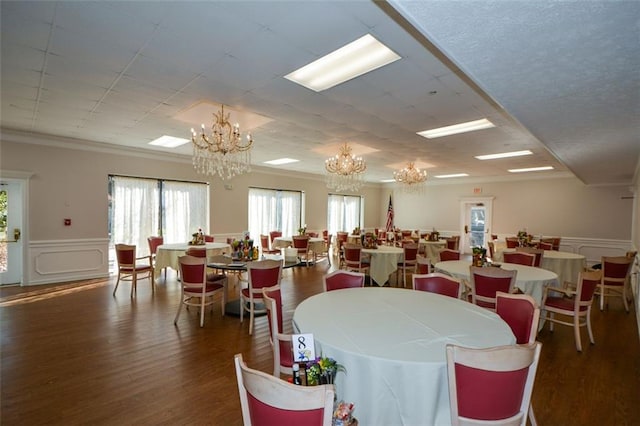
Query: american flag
(390, 216)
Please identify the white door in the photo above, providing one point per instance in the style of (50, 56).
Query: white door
(476, 223)
(11, 213)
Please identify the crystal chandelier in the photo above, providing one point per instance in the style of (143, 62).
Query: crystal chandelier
(344, 171)
(223, 152)
(411, 177)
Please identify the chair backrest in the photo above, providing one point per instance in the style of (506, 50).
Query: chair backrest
(264, 242)
(325, 235)
(126, 255)
(193, 271)
(545, 245)
(537, 252)
(209, 239)
(263, 273)
(448, 254)
(556, 243)
(486, 282)
(586, 288)
(273, 235)
(340, 279)
(492, 249)
(438, 283)
(268, 400)
(423, 265)
(154, 242)
(282, 344)
(493, 384)
(615, 270)
(342, 236)
(301, 241)
(410, 253)
(521, 313)
(512, 242)
(452, 243)
(519, 258)
(312, 234)
(197, 251)
(352, 254)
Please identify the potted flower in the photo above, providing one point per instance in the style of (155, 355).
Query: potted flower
(322, 371)
(302, 230)
(479, 256)
(343, 414)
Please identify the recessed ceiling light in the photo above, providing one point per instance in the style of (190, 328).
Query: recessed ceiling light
(455, 175)
(503, 155)
(387, 180)
(281, 161)
(531, 169)
(169, 141)
(356, 58)
(457, 128)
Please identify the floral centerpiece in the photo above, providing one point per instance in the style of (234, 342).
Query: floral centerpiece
(369, 241)
(302, 230)
(356, 231)
(479, 256)
(343, 414)
(523, 237)
(198, 238)
(322, 371)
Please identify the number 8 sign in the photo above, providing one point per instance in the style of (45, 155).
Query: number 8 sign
(303, 347)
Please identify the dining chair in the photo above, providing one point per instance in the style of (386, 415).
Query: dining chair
(266, 400)
(438, 283)
(545, 245)
(281, 343)
(537, 252)
(492, 250)
(423, 265)
(615, 278)
(486, 282)
(130, 269)
(491, 386)
(448, 254)
(408, 262)
(453, 243)
(512, 242)
(353, 260)
(578, 307)
(519, 258)
(326, 250)
(264, 245)
(260, 274)
(312, 234)
(301, 243)
(209, 239)
(556, 243)
(154, 242)
(340, 279)
(273, 235)
(197, 289)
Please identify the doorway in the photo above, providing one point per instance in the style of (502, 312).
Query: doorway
(475, 224)
(11, 231)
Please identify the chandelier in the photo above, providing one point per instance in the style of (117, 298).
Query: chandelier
(222, 152)
(344, 171)
(411, 176)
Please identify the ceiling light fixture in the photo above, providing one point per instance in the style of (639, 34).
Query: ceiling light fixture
(503, 155)
(168, 141)
(410, 177)
(281, 161)
(457, 128)
(455, 175)
(531, 169)
(345, 170)
(223, 152)
(356, 58)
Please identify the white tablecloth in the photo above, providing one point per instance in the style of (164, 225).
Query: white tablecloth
(432, 249)
(168, 254)
(530, 280)
(384, 261)
(567, 265)
(392, 344)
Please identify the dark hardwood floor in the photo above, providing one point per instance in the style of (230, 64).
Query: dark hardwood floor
(85, 357)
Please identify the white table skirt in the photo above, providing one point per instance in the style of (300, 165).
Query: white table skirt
(167, 254)
(392, 344)
(530, 280)
(432, 249)
(567, 265)
(384, 262)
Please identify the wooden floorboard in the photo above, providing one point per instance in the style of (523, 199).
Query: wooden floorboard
(86, 357)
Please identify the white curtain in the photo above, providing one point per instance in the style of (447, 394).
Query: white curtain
(274, 210)
(343, 213)
(290, 204)
(185, 210)
(135, 212)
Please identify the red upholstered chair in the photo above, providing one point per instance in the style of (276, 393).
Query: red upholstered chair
(353, 258)
(453, 243)
(408, 263)
(579, 307)
(209, 238)
(519, 258)
(197, 290)
(281, 343)
(301, 243)
(154, 242)
(341, 240)
(340, 279)
(556, 243)
(264, 245)
(312, 234)
(491, 386)
(273, 235)
(130, 269)
(263, 273)
(486, 282)
(492, 250)
(268, 400)
(537, 252)
(615, 278)
(512, 242)
(423, 265)
(448, 254)
(438, 283)
(545, 245)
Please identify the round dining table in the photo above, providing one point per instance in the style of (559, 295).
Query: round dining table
(167, 254)
(384, 262)
(530, 280)
(391, 343)
(566, 264)
(432, 249)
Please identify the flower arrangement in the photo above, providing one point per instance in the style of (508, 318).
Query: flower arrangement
(343, 414)
(302, 230)
(198, 238)
(479, 256)
(356, 231)
(523, 237)
(322, 371)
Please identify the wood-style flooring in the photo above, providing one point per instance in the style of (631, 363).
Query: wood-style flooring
(86, 357)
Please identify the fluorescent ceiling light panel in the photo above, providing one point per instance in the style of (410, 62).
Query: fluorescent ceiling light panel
(169, 141)
(503, 155)
(469, 126)
(455, 175)
(387, 180)
(531, 169)
(356, 58)
(281, 161)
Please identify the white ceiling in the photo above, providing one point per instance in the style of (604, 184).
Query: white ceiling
(559, 78)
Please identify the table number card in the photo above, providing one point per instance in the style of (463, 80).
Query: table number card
(303, 347)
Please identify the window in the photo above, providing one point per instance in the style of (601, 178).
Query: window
(140, 208)
(275, 210)
(344, 213)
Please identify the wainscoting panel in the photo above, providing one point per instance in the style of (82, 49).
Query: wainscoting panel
(67, 260)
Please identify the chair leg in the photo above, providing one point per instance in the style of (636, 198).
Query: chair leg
(202, 306)
(588, 320)
(117, 282)
(551, 317)
(532, 416)
(134, 289)
(251, 310)
(624, 297)
(602, 298)
(576, 332)
(175, 321)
